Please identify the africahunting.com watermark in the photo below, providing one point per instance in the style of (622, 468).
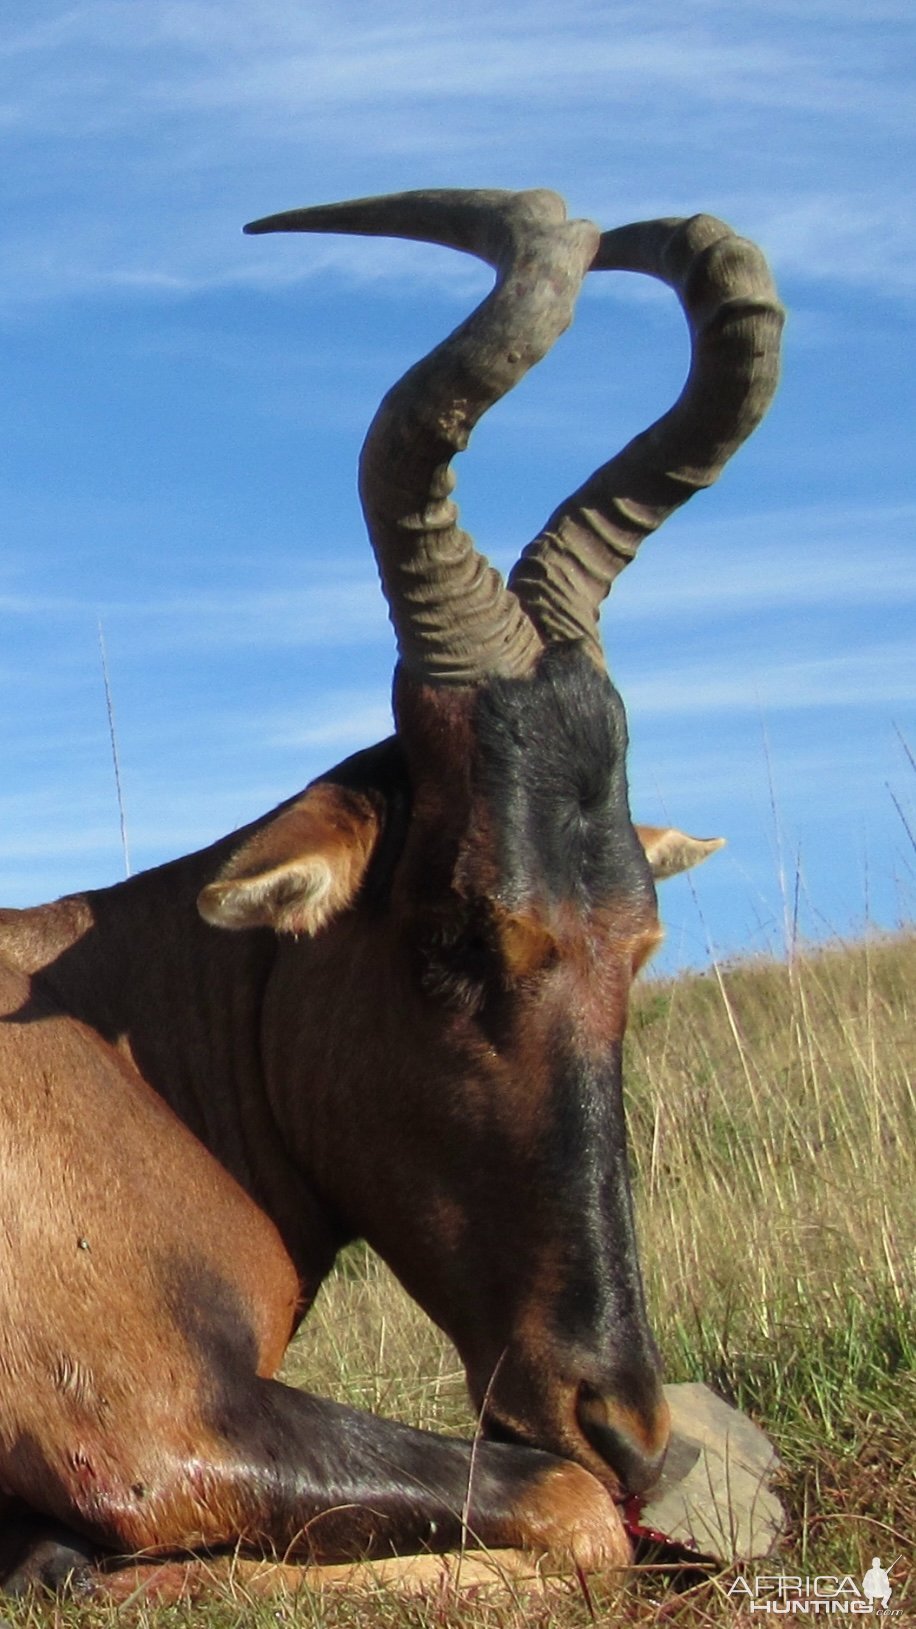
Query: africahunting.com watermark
(788, 1595)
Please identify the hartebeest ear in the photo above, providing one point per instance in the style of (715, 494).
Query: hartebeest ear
(669, 851)
(301, 869)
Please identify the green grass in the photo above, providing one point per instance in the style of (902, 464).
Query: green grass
(773, 1128)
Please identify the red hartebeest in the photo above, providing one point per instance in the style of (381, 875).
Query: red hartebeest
(413, 1035)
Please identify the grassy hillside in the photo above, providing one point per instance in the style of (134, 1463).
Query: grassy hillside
(773, 1125)
(773, 1112)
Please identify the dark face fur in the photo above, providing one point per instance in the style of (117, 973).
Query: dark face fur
(460, 1104)
(538, 907)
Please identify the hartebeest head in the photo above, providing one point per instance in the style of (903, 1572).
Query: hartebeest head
(467, 905)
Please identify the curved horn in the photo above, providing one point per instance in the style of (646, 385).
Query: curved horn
(454, 617)
(735, 319)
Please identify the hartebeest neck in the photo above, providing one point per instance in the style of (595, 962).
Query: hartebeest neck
(136, 965)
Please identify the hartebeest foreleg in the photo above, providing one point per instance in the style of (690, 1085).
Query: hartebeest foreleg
(307, 1480)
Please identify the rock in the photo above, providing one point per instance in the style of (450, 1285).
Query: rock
(714, 1496)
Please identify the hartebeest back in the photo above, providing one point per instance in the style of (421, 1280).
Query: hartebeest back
(413, 1035)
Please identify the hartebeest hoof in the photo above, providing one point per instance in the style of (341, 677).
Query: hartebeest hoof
(571, 1517)
(52, 1559)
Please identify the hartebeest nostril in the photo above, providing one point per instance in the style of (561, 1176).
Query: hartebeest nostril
(631, 1440)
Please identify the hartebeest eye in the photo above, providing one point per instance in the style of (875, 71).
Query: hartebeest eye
(480, 953)
(457, 958)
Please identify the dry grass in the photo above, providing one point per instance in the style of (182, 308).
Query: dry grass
(774, 1127)
(772, 1118)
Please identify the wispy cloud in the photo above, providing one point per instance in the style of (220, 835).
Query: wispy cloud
(842, 236)
(878, 677)
(820, 555)
(206, 108)
(194, 52)
(346, 720)
(346, 610)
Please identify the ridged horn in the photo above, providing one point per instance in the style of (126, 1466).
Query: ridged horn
(455, 620)
(735, 320)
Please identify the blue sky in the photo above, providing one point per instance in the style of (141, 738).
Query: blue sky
(183, 410)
